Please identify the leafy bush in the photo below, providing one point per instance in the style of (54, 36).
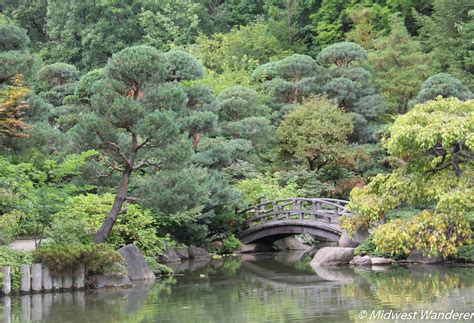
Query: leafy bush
(97, 258)
(14, 259)
(8, 226)
(230, 244)
(83, 215)
(368, 247)
(430, 232)
(267, 187)
(33, 193)
(465, 254)
(431, 140)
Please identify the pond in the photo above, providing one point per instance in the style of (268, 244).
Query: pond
(267, 287)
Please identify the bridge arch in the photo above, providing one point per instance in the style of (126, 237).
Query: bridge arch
(274, 220)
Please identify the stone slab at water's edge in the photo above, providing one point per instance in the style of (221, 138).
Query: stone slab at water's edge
(137, 267)
(197, 253)
(379, 261)
(361, 261)
(183, 253)
(169, 255)
(346, 241)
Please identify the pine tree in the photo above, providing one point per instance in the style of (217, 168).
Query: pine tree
(400, 66)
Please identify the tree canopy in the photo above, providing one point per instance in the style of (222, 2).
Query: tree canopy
(316, 131)
(172, 114)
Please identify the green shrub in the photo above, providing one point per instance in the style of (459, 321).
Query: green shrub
(83, 215)
(97, 258)
(230, 244)
(368, 247)
(267, 187)
(465, 254)
(431, 232)
(14, 259)
(8, 226)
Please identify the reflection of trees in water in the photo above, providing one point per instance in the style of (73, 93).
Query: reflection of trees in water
(402, 287)
(302, 265)
(79, 306)
(252, 291)
(231, 266)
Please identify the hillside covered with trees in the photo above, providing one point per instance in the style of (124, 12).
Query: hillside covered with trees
(152, 121)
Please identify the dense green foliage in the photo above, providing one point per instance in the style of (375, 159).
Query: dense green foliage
(431, 149)
(316, 131)
(142, 121)
(96, 258)
(81, 216)
(14, 259)
(229, 245)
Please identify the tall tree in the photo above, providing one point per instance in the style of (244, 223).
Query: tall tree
(351, 86)
(17, 65)
(31, 15)
(133, 120)
(363, 32)
(447, 33)
(289, 80)
(242, 115)
(12, 106)
(86, 33)
(400, 66)
(432, 153)
(444, 85)
(57, 82)
(316, 132)
(243, 48)
(15, 57)
(166, 23)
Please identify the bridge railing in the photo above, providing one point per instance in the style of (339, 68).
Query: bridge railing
(311, 209)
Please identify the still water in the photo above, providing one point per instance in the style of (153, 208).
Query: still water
(269, 287)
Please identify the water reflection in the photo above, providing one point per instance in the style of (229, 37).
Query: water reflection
(257, 288)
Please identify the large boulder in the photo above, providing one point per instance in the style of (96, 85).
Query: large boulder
(197, 253)
(217, 245)
(361, 261)
(170, 255)
(183, 253)
(418, 256)
(346, 241)
(333, 256)
(137, 268)
(291, 243)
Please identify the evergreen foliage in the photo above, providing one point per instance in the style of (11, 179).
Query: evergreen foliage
(196, 107)
(443, 85)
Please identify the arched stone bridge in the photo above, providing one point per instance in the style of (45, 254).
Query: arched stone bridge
(274, 220)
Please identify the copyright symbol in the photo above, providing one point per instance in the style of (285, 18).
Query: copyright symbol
(362, 314)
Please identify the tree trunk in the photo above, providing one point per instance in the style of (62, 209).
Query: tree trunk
(104, 231)
(312, 164)
(196, 139)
